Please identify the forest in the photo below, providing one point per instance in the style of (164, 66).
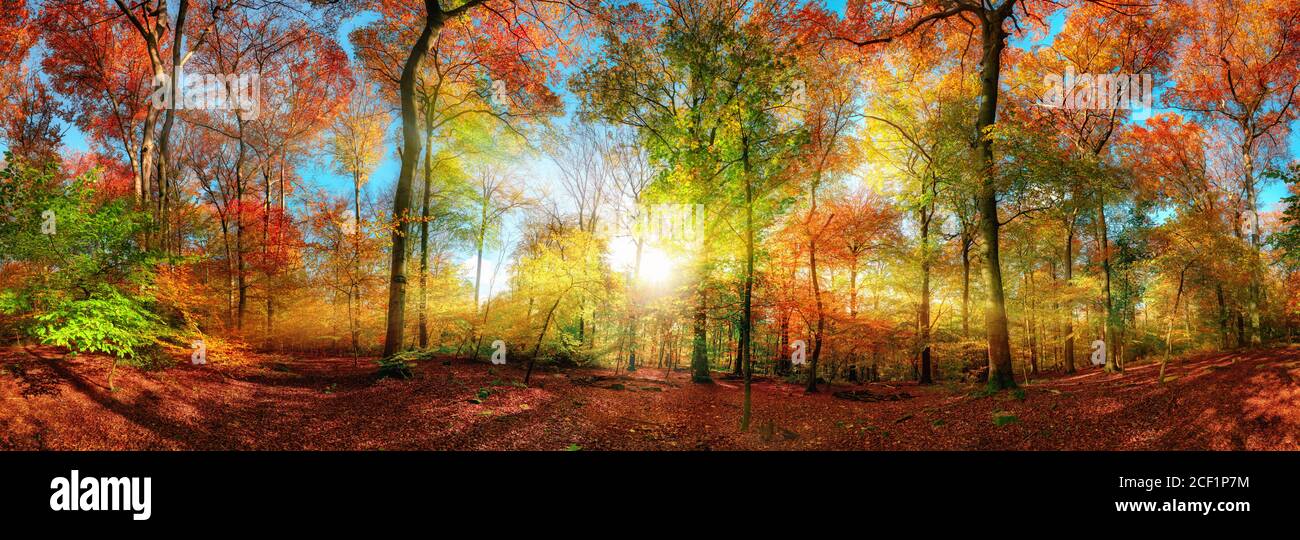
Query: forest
(649, 224)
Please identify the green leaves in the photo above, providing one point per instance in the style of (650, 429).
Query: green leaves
(395, 367)
(1287, 239)
(90, 295)
(107, 322)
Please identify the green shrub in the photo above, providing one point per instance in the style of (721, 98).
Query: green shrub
(395, 367)
(107, 322)
(1003, 418)
(92, 293)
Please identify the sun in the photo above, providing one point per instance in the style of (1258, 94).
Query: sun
(657, 266)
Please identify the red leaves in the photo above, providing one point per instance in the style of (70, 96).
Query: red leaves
(15, 26)
(100, 64)
(115, 178)
(1227, 401)
(1240, 61)
(520, 43)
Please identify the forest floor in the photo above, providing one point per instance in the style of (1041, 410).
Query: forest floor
(1222, 401)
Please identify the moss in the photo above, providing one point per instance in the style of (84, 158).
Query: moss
(1003, 418)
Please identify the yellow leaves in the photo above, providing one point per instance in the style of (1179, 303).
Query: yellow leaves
(357, 137)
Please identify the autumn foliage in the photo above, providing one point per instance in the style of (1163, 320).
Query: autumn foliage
(876, 192)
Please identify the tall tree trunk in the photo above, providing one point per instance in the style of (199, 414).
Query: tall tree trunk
(995, 317)
(239, 234)
(635, 309)
(1069, 306)
(354, 287)
(747, 304)
(1031, 320)
(478, 249)
(396, 316)
(923, 309)
(820, 329)
(965, 285)
(266, 248)
(424, 233)
(164, 136)
(700, 344)
(1255, 289)
(1109, 332)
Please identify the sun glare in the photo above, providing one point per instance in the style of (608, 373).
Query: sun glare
(657, 266)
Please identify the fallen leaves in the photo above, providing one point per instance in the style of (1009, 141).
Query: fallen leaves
(281, 403)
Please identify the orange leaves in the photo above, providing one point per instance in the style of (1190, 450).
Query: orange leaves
(1167, 156)
(1292, 290)
(19, 36)
(100, 64)
(115, 177)
(1241, 61)
(864, 222)
(520, 43)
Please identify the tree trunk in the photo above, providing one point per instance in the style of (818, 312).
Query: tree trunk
(965, 286)
(1109, 332)
(537, 348)
(396, 316)
(853, 289)
(819, 332)
(1031, 320)
(747, 298)
(266, 248)
(995, 317)
(1069, 306)
(1223, 316)
(240, 279)
(1169, 332)
(354, 287)
(424, 233)
(169, 118)
(923, 309)
(635, 309)
(1255, 289)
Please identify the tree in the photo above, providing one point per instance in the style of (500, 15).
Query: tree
(914, 127)
(87, 296)
(901, 22)
(631, 175)
(357, 141)
(509, 24)
(1240, 65)
(830, 117)
(658, 78)
(497, 193)
(1097, 40)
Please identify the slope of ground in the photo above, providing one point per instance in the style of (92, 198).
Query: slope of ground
(1224, 401)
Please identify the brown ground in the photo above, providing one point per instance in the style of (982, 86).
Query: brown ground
(1222, 401)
